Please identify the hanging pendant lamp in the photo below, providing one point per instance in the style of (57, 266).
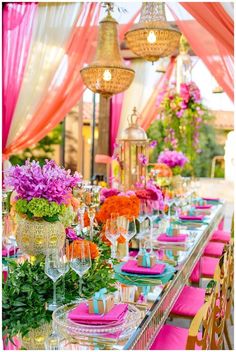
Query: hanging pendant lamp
(107, 75)
(153, 37)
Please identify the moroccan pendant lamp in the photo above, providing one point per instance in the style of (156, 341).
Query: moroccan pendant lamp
(153, 37)
(107, 75)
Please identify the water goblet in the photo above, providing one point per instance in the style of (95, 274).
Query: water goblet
(54, 270)
(112, 233)
(127, 228)
(80, 260)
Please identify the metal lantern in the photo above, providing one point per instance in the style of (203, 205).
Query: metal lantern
(107, 75)
(153, 37)
(133, 153)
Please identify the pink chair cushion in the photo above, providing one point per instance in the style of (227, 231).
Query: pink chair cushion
(221, 236)
(221, 224)
(189, 302)
(172, 338)
(208, 267)
(214, 249)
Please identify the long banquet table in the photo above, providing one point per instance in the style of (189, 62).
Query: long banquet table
(157, 310)
(144, 335)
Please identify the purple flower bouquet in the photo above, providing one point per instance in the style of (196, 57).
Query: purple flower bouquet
(173, 159)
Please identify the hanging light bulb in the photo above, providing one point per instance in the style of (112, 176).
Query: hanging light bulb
(107, 75)
(151, 37)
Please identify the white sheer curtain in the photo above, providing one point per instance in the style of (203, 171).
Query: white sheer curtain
(52, 28)
(140, 90)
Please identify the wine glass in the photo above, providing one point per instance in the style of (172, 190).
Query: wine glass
(112, 233)
(80, 260)
(54, 269)
(78, 193)
(127, 228)
(64, 259)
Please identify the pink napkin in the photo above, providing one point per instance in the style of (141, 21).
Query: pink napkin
(180, 238)
(190, 217)
(208, 206)
(81, 315)
(132, 267)
(213, 199)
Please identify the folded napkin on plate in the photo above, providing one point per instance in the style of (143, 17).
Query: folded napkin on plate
(190, 217)
(180, 238)
(132, 267)
(208, 206)
(11, 251)
(81, 315)
(212, 199)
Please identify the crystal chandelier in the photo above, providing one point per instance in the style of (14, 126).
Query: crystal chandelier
(153, 37)
(107, 75)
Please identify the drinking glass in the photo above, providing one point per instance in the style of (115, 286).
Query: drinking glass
(80, 260)
(127, 228)
(54, 269)
(142, 211)
(112, 233)
(78, 193)
(65, 260)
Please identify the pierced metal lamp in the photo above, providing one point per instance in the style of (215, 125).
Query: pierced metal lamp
(107, 75)
(153, 37)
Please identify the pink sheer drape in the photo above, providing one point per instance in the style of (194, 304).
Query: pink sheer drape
(62, 97)
(214, 55)
(115, 114)
(150, 110)
(18, 21)
(213, 17)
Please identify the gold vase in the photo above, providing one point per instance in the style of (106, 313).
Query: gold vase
(35, 339)
(35, 237)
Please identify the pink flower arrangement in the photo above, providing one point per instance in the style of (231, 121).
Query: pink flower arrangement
(143, 160)
(49, 181)
(151, 193)
(172, 158)
(108, 192)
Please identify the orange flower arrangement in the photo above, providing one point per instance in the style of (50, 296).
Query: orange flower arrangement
(76, 249)
(164, 170)
(123, 205)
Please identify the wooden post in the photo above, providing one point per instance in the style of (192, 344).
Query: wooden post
(103, 133)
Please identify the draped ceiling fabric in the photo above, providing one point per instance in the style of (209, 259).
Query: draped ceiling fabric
(16, 36)
(208, 46)
(56, 83)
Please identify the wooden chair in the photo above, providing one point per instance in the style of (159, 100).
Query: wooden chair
(198, 335)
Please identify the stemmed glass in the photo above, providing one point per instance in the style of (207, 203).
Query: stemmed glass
(169, 202)
(112, 233)
(54, 269)
(127, 228)
(80, 260)
(92, 201)
(64, 259)
(78, 193)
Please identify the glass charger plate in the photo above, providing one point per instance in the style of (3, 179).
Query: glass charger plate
(69, 329)
(139, 279)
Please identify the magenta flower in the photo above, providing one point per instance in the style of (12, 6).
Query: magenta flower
(50, 181)
(152, 144)
(172, 158)
(71, 234)
(108, 192)
(142, 159)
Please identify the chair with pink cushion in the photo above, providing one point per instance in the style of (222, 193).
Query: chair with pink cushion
(205, 268)
(214, 249)
(177, 338)
(221, 236)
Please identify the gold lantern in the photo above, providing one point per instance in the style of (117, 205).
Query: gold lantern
(153, 37)
(107, 75)
(133, 154)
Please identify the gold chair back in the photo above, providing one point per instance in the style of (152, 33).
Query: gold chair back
(200, 331)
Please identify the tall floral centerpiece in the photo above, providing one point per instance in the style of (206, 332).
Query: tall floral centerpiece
(42, 200)
(180, 124)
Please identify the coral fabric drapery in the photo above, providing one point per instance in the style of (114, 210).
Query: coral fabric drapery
(150, 110)
(115, 114)
(214, 55)
(17, 27)
(213, 17)
(64, 86)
